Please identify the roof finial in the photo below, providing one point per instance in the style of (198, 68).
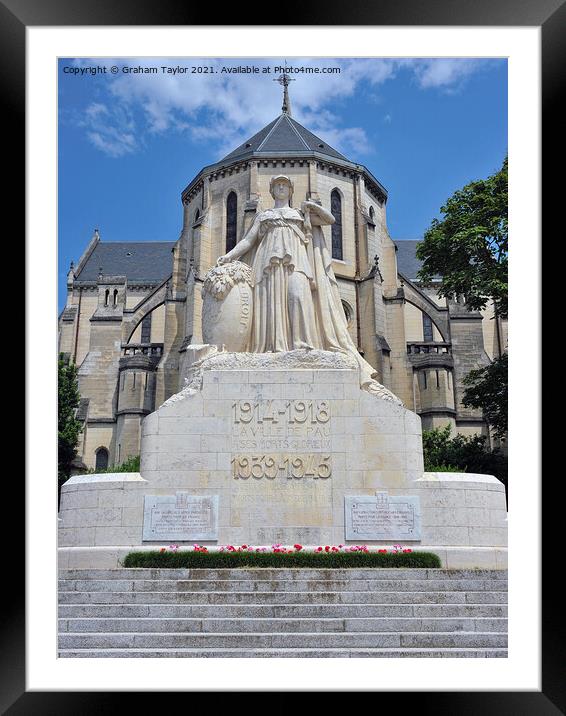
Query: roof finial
(284, 81)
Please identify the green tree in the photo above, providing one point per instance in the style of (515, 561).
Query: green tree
(443, 453)
(487, 389)
(467, 249)
(69, 427)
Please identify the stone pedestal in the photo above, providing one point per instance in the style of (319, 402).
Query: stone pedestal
(282, 444)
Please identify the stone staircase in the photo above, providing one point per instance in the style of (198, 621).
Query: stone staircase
(282, 613)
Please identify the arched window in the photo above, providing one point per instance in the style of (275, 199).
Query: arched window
(428, 334)
(146, 329)
(231, 220)
(336, 209)
(197, 216)
(101, 459)
(106, 296)
(115, 296)
(348, 312)
(372, 214)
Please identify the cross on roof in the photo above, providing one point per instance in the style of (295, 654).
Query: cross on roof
(284, 81)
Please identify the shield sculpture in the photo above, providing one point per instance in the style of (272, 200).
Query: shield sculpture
(227, 306)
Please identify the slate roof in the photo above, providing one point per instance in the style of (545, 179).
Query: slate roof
(407, 263)
(139, 261)
(284, 134)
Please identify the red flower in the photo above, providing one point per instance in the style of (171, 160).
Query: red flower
(406, 551)
(327, 548)
(298, 547)
(318, 549)
(382, 551)
(244, 546)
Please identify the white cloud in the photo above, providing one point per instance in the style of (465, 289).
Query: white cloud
(110, 130)
(223, 109)
(446, 73)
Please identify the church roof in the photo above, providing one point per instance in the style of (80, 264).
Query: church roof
(407, 262)
(284, 134)
(139, 261)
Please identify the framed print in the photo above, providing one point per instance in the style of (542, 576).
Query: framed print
(38, 43)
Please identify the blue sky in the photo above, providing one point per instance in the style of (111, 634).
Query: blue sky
(130, 142)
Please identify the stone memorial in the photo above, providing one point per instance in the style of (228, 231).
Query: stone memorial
(281, 429)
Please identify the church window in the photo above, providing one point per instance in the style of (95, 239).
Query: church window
(424, 380)
(372, 214)
(134, 381)
(428, 335)
(231, 220)
(106, 296)
(336, 209)
(197, 216)
(146, 329)
(437, 380)
(347, 312)
(115, 296)
(101, 459)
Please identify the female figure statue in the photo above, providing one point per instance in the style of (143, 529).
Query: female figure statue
(296, 302)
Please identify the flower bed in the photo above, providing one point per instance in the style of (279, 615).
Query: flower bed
(322, 557)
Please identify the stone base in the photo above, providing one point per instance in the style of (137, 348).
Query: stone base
(281, 447)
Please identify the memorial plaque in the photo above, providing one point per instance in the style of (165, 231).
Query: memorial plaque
(382, 517)
(180, 517)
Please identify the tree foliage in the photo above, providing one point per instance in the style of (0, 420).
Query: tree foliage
(68, 425)
(468, 453)
(487, 389)
(467, 249)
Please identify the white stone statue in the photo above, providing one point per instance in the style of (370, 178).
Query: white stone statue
(296, 302)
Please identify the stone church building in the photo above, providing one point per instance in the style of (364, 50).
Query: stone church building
(133, 309)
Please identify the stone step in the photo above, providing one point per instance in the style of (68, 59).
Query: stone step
(293, 585)
(266, 611)
(342, 597)
(313, 640)
(283, 624)
(375, 653)
(266, 573)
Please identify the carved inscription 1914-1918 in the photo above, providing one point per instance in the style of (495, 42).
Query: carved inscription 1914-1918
(281, 438)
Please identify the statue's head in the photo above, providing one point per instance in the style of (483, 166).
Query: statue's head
(280, 186)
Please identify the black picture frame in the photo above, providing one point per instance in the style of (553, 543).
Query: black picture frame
(550, 16)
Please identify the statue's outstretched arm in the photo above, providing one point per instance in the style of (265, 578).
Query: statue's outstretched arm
(244, 245)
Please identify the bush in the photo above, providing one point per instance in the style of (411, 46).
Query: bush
(462, 454)
(230, 560)
(132, 464)
(444, 468)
